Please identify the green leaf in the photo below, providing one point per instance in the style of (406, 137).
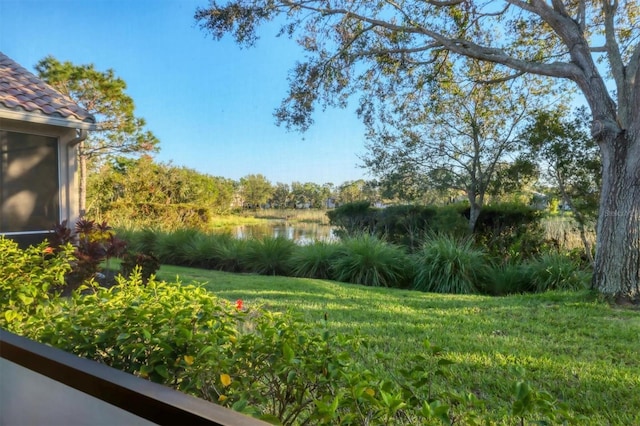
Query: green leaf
(287, 352)
(162, 371)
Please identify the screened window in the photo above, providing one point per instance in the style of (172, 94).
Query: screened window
(29, 188)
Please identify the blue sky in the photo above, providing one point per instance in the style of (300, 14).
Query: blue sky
(210, 103)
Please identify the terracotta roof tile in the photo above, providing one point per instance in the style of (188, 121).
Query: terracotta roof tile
(20, 90)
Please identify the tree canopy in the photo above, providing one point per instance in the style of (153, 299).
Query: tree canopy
(369, 48)
(102, 94)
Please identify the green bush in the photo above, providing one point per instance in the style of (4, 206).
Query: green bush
(139, 240)
(148, 264)
(270, 365)
(353, 219)
(228, 253)
(370, 261)
(405, 225)
(172, 247)
(510, 231)
(269, 256)
(29, 278)
(555, 271)
(94, 243)
(200, 250)
(510, 278)
(449, 265)
(315, 260)
(158, 215)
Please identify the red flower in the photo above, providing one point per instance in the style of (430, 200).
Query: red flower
(239, 304)
(48, 250)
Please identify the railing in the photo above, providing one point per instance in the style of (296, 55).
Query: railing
(44, 385)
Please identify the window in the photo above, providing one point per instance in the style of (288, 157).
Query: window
(29, 188)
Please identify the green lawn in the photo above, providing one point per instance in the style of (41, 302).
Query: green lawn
(582, 351)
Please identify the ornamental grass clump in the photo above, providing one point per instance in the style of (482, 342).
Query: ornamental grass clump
(314, 260)
(170, 247)
(370, 261)
(200, 250)
(449, 265)
(510, 278)
(227, 253)
(555, 271)
(268, 256)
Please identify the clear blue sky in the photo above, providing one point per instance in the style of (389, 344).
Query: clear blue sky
(210, 103)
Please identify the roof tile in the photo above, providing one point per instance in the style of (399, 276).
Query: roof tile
(20, 90)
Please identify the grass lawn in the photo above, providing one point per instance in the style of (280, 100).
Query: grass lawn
(580, 350)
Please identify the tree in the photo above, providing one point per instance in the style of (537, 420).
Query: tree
(570, 158)
(102, 94)
(255, 190)
(282, 196)
(309, 195)
(449, 135)
(352, 45)
(142, 181)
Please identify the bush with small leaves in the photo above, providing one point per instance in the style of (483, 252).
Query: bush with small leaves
(29, 278)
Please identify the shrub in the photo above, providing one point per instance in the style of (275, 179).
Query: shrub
(159, 215)
(274, 366)
(315, 260)
(510, 231)
(228, 253)
(353, 219)
(268, 255)
(369, 261)
(449, 265)
(170, 247)
(93, 242)
(555, 271)
(271, 365)
(510, 278)
(148, 264)
(200, 250)
(405, 225)
(139, 241)
(29, 278)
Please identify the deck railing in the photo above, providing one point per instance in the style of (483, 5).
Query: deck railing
(44, 385)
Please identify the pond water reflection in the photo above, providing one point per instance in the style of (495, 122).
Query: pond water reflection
(301, 233)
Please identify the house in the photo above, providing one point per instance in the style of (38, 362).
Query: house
(39, 132)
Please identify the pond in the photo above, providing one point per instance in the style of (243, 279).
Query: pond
(301, 233)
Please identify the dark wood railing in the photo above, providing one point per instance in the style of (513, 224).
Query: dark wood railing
(147, 400)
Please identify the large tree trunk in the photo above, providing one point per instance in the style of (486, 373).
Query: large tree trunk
(617, 261)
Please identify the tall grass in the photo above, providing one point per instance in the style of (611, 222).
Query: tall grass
(172, 247)
(369, 261)
(227, 253)
(510, 278)
(449, 265)
(268, 256)
(291, 215)
(554, 271)
(564, 231)
(315, 260)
